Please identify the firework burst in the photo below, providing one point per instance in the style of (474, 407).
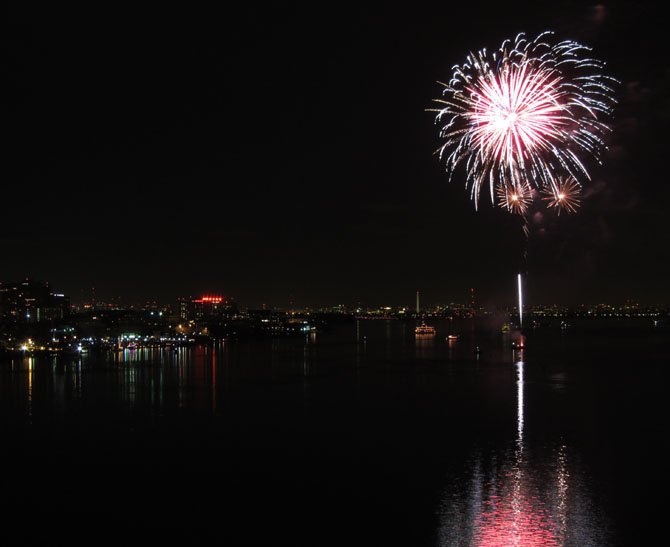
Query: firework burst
(515, 199)
(563, 196)
(523, 115)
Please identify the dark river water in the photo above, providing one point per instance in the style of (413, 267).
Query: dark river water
(362, 435)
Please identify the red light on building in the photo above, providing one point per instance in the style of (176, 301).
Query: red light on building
(210, 300)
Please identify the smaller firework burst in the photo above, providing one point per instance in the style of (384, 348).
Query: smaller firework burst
(515, 199)
(564, 196)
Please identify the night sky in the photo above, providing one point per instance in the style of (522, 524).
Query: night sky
(284, 155)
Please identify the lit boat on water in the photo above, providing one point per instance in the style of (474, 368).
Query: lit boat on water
(424, 329)
(452, 337)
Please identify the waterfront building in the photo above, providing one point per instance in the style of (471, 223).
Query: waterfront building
(206, 308)
(31, 301)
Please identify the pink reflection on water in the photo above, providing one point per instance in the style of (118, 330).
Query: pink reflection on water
(515, 519)
(513, 513)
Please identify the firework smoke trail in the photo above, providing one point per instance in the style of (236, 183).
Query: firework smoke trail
(520, 295)
(521, 116)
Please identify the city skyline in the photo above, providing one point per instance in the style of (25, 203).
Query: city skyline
(91, 299)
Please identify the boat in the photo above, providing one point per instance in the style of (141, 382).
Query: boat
(452, 337)
(424, 329)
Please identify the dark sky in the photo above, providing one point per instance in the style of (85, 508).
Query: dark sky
(284, 154)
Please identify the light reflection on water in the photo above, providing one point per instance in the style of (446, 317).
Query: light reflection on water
(529, 499)
(497, 436)
(31, 364)
(519, 503)
(148, 380)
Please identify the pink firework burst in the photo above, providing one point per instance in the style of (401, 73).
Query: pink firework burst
(524, 115)
(515, 114)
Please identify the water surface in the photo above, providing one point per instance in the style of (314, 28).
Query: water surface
(360, 435)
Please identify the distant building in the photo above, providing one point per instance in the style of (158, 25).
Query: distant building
(31, 302)
(206, 308)
(277, 323)
(265, 320)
